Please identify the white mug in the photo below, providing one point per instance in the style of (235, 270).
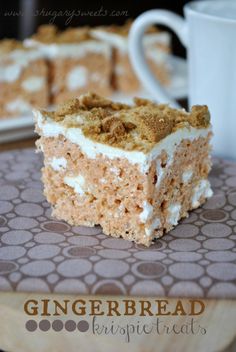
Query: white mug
(209, 34)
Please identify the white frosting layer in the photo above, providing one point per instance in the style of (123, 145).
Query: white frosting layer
(174, 213)
(160, 172)
(187, 175)
(156, 55)
(19, 59)
(146, 213)
(202, 189)
(58, 163)
(18, 105)
(78, 183)
(91, 148)
(154, 225)
(157, 38)
(33, 83)
(72, 50)
(77, 78)
(121, 42)
(10, 73)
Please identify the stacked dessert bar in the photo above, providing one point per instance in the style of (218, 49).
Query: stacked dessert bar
(135, 170)
(54, 65)
(157, 49)
(78, 63)
(23, 79)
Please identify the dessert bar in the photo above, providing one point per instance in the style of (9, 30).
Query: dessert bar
(136, 170)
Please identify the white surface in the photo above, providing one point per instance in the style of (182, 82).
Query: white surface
(174, 213)
(209, 34)
(154, 225)
(58, 163)
(177, 89)
(10, 73)
(187, 175)
(121, 42)
(77, 78)
(146, 213)
(202, 189)
(91, 148)
(78, 183)
(18, 105)
(20, 59)
(33, 83)
(70, 50)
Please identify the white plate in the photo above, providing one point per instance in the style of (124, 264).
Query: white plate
(22, 127)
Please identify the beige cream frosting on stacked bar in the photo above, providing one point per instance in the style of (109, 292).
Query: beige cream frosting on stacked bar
(23, 79)
(134, 170)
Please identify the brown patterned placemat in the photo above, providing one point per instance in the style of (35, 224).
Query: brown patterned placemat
(37, 253)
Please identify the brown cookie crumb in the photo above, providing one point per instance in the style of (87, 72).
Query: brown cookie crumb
(151, 124)
(137, 127)
(68, 108)
(92, 100)
(46, 33)
(8, 45)
(74, 35)
(142, 102)
(108, 122)
(200, 116)
(51, 34)
(117, 129)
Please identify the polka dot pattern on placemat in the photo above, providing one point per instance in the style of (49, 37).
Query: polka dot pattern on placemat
(39, 253)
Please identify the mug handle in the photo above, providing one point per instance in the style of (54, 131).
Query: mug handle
(136, 51)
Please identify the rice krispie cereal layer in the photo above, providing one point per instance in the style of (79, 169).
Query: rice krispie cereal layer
(71, 76)
(23, 79)
(135, 170)
(157, 49)
(124, 78)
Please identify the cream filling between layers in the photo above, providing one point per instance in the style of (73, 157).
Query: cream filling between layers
(77, 78)
(157, 56)
(33, 83)
(147, 212)
(203, 188)
(187, 175)
(76, 182)
(122, 42)
(70, 50)
(18, 105)
(92, 149)
(20, 59)
(174, 213)
(154, 226)
(58, 163)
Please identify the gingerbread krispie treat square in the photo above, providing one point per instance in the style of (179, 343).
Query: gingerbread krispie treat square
(23, 79)
(157, 49)
(77, 62)
(134, 170)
